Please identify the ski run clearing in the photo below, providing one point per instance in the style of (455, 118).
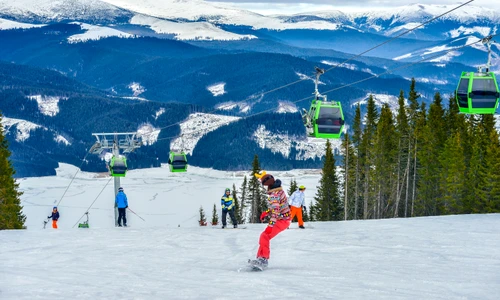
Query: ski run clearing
(168, 256)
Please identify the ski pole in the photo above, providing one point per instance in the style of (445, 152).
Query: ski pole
(136, 214)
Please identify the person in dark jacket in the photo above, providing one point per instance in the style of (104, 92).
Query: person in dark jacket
(228, 207)
(54, 216)
(122, 204)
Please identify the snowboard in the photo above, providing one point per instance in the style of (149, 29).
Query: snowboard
(254, 265)
(239, 227)
(306, 227)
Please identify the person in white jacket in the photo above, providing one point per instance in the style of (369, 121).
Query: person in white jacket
(297, 201)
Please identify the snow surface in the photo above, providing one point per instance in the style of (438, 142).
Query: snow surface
(160, 112)
(94, 32)
(217, 89)
(418, 13)
(59, 10)
(8, 24)
(483, 31)
(282, 143)
(168, 256)
(136, 88)
(23, 127)
(243, 106)
(380, 100)
(215, 13)
(195, 127)
(306, 77)
(60, 139)
(286, 107)
(48, 105)
(189, 30)
(148, 133)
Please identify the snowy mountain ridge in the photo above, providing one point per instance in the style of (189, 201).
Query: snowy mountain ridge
(24, 128)
(197, 19)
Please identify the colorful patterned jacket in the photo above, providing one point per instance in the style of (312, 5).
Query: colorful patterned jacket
(278, 205)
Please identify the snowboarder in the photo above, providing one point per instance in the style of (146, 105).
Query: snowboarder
(279, 213)
(122, 204)
(228, 207)
(297, 201)
(54, 216)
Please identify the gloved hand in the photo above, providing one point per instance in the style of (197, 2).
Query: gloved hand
(304, 207)
(126, 206)
(48, 217)
(268, 230)
(229, 208)
(263, 215)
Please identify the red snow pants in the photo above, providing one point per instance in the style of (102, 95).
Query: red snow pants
(54, 224)
(264, 241)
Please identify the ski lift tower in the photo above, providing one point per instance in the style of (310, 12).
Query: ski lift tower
(114, 142)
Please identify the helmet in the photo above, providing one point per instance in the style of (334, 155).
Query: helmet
(228, 190)
(267, 179)
(120, 189)
(55, 207)
(302, 187)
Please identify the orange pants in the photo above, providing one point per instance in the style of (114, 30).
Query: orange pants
(264, 241)
(296, 211)
(54, 224)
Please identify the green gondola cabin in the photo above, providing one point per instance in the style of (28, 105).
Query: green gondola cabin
(118, 166)
(324, 119)
(327, 119)
(477, 93)
(177, 161)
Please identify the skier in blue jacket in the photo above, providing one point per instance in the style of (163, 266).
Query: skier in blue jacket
(122, 204)
(228, 207)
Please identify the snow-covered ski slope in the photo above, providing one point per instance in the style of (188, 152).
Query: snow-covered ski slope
(450, 257)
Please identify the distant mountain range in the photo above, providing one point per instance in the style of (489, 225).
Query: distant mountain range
(121, 62)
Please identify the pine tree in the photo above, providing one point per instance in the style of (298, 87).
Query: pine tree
(452, 181)
(356, 140)
(293, 186)
(328, 205)
(203, 219)
(244, 199)
(11, 216)
(258, 198)
(215, 216)
(432, 145)
(312, 212)
(238, 206)
(404, 155)
(305, 215)
(385, 161)
(490, 190)
(367, 154)
(349, 177)
(415, 113)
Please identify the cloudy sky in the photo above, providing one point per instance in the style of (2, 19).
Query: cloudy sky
(296, 6)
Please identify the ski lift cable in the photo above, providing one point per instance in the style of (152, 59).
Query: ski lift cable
(346, 85)
(74, 176)
(86, 211)
(329, 69)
